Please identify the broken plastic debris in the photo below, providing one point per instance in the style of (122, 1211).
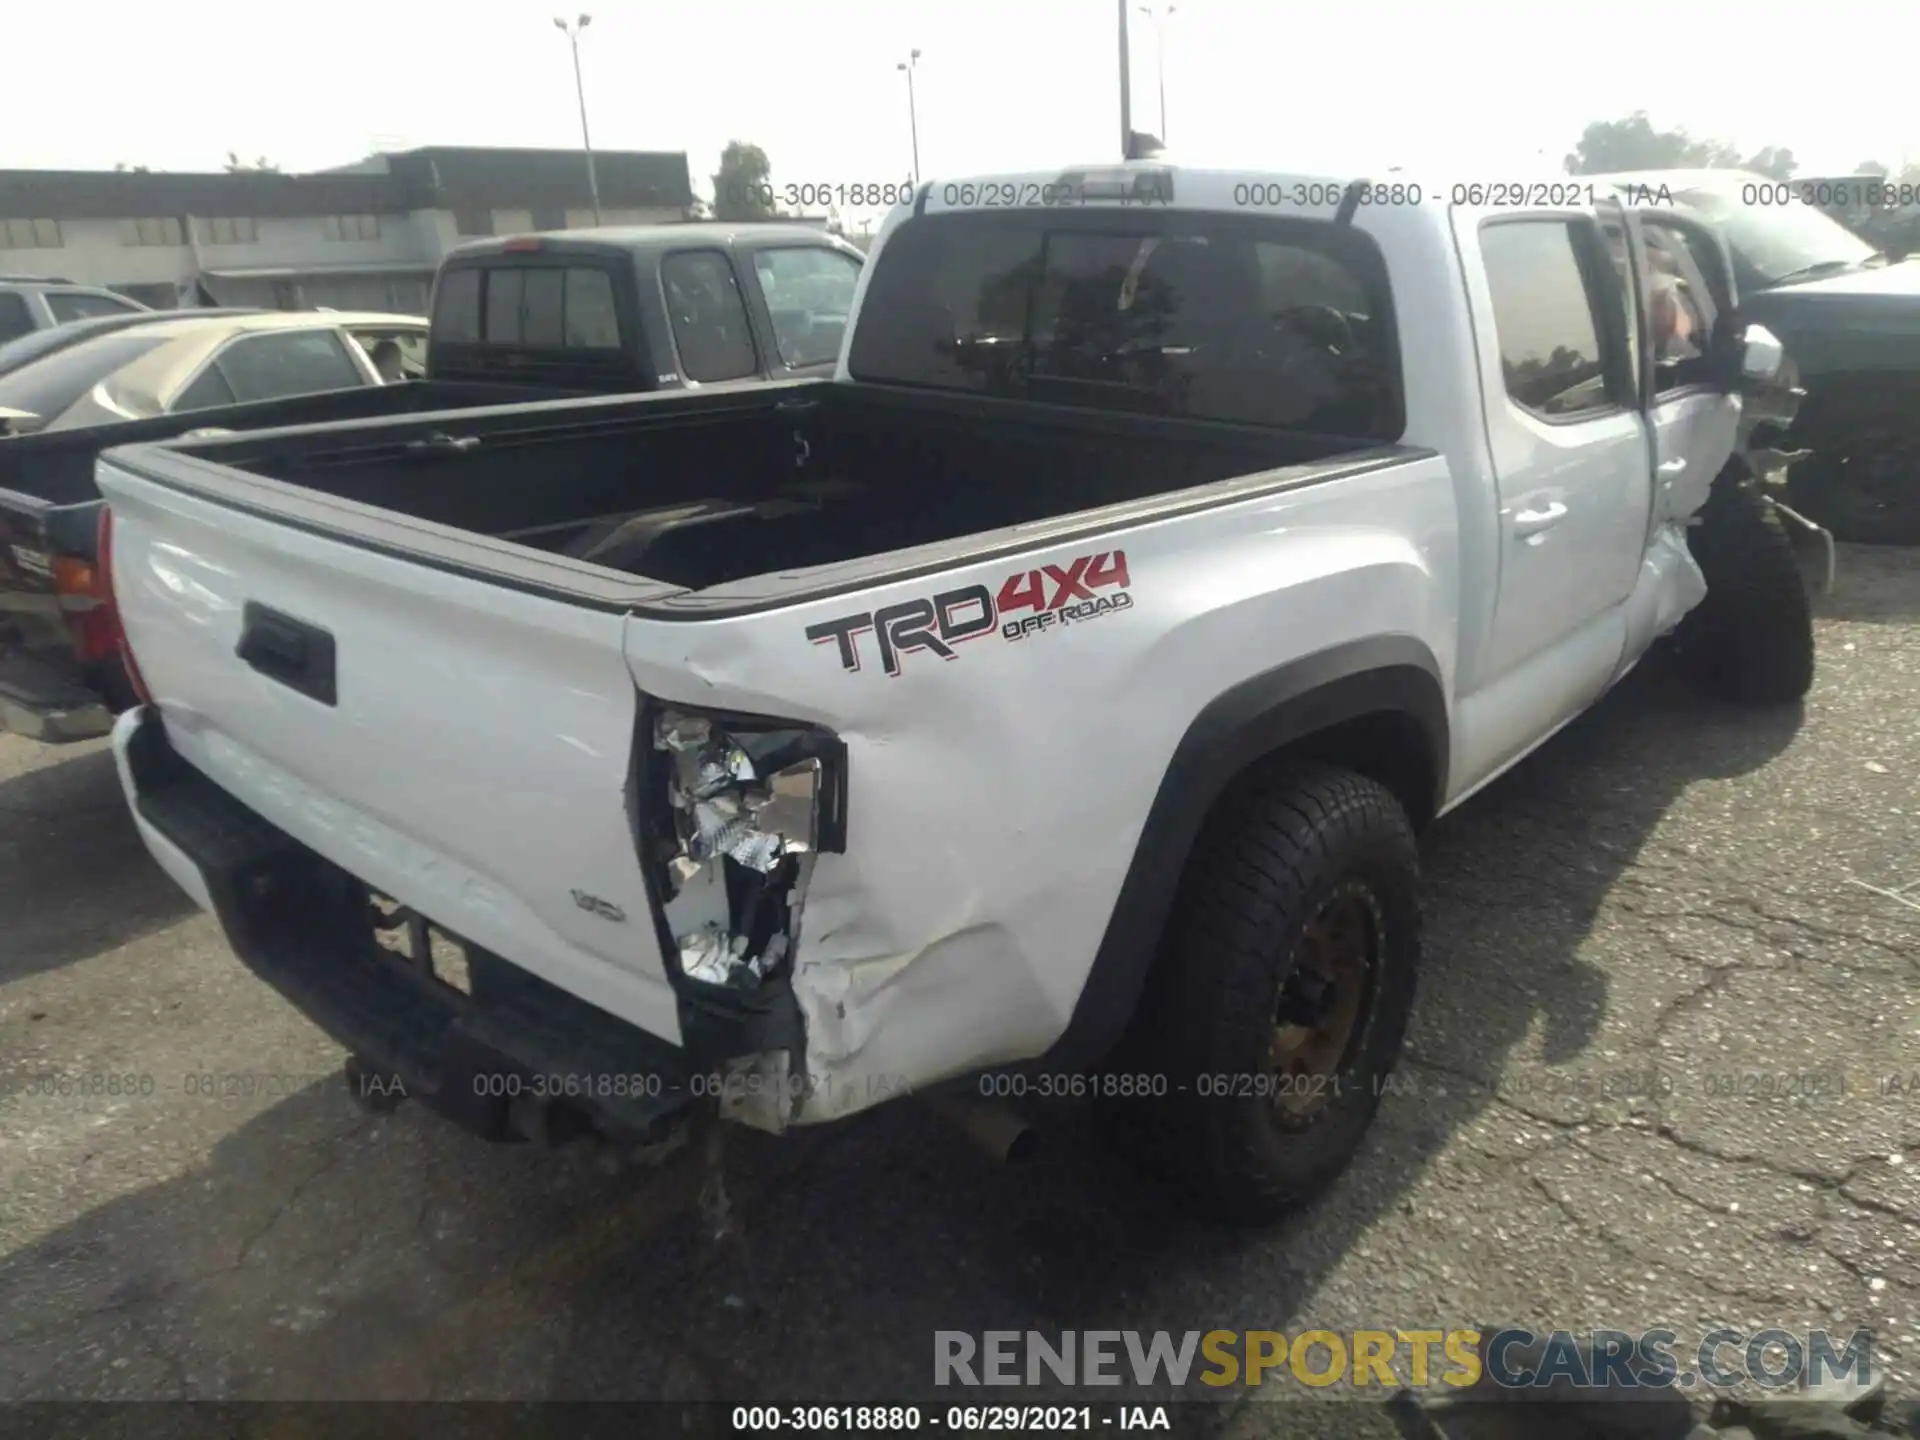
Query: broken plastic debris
(789, 806)
(710, 956)
(724, 807)
(682, 732)
(715, 958)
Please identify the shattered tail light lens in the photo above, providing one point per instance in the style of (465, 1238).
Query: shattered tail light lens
(751, 802)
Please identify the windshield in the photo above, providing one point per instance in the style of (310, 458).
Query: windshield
(1775, 241)
(51, 385)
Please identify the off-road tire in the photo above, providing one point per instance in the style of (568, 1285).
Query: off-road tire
(1751, 639)
(1275, 849)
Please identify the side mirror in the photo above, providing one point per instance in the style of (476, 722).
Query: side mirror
(1763, 359)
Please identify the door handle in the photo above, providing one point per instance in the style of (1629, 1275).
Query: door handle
(289, 651)
(1532, 522)
(1669, 468)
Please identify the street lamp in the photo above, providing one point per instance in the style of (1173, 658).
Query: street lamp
(913, 117)
(580, 89)
(1159, 18)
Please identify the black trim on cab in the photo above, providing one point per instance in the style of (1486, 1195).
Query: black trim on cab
(1393, 677)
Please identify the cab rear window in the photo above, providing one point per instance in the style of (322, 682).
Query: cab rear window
(1220, 317)
(546, 307)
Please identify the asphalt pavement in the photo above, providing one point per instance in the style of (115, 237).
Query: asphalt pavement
(1637, 941)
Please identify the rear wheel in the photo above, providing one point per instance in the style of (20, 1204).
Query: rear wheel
(1751, 639)
(1281, 996)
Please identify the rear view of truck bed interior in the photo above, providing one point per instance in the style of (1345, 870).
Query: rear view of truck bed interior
(700, 492)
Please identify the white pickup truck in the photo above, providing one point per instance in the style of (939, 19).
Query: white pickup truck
(1057, 689)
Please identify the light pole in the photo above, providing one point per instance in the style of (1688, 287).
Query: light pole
(913, 115)
(580, 89)
(1159, 18)
(1126, 88)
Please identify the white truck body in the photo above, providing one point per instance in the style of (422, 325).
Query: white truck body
(1486, 579)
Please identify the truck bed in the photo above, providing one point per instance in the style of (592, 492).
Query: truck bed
(696, 491)
(56, 466)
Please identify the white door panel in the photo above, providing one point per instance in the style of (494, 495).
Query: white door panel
(1568, 445)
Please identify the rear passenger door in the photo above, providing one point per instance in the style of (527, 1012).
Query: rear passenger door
(1568, 444)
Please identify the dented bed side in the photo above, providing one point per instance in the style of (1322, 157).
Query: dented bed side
(1003, 728)
(933, 785)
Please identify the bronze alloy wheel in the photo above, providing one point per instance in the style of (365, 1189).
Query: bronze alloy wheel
(1318, 1019)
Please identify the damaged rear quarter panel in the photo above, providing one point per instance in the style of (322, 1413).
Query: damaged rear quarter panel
(995, 797)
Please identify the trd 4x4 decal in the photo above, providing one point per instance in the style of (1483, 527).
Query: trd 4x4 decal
(1055, 596)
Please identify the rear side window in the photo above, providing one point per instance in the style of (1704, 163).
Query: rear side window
(541, 307)
(1546, 317)
(708, 315)
(1230, 318)
(15, 321)
(68, 305)
(456, 307)
(296, 362)
(209, 388)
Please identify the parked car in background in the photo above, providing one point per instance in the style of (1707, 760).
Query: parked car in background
(58, 654)
(28, 304)
(696, 305)
(615, 311)
(1850, 318)
(201, 359)
(41, 343)
(1880, 211)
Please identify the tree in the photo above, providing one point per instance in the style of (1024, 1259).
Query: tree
(1776, 162)
(1909, 174)
(1633, 144)
(121, 167)
(235, 164)
(741, 186)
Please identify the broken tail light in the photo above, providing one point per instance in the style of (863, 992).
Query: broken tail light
(745, 804)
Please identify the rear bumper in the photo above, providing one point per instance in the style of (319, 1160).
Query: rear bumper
(515, 1058)
(39, 703)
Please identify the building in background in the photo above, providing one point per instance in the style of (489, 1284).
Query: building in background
(366, 236)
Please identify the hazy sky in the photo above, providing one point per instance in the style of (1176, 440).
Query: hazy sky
(1458, 91)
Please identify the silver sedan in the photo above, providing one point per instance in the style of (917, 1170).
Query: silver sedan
(200, 361)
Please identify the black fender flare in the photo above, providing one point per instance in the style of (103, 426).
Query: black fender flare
(1390, 674)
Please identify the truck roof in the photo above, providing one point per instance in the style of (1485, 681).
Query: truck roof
(1682, 179)
(637, 238)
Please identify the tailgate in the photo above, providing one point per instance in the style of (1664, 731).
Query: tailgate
(461, 747)
(29, 611)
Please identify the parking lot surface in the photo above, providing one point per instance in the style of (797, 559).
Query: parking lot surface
(1670, 889)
